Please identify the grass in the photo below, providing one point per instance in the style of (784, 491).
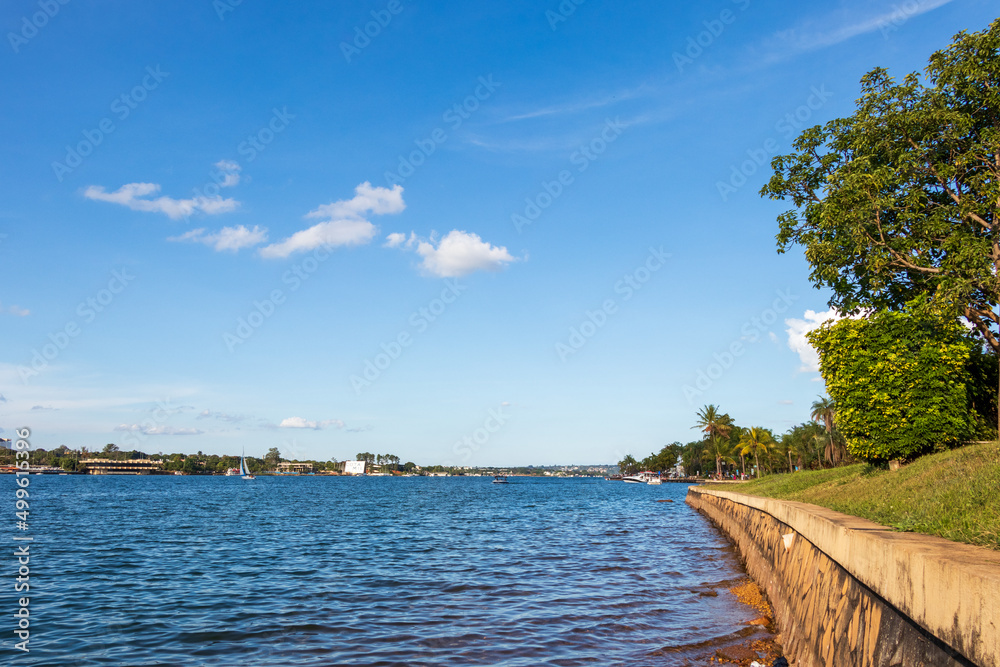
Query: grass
(954, 494)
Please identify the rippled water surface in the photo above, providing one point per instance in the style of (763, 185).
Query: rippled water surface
(373, 571)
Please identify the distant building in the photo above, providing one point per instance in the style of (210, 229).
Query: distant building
(354, 467)
(289, 468)
(129, 467)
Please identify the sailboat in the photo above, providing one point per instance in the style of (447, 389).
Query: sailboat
(244, 469)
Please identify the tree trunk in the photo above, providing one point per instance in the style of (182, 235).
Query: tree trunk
(756, 463)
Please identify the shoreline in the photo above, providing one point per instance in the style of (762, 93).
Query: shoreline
(848, 591)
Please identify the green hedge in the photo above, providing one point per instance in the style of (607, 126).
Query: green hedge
(902, 383)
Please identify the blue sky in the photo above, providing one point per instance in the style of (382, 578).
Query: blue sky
(517, 233)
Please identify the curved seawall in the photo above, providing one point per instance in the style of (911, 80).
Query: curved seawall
(847, 591)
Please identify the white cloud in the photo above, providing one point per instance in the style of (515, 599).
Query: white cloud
(136, 197)
(226, 239)
(460, 253)
(367, 199)
(18, 311)
(394, 240)
(345, 222)
(299, 422)
(230, 172)
(331, 233)
(157, 430)
(797, 330)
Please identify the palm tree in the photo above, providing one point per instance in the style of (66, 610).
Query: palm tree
(716, 426)
(756, 440)
(628, 465)
(787, 446)
(720, 452)
(825, 411)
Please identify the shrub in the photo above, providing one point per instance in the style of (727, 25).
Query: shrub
(903, 383)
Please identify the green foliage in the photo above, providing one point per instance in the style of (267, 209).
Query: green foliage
(756, 440)
(899, 383)
(628, 465)
(272, 458)
(898, 201)
(718, 429)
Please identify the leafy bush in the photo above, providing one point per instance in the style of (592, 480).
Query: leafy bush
(903, 384)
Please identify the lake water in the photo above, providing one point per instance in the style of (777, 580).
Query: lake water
(372, 571)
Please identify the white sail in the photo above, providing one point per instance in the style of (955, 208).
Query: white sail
(243, 466)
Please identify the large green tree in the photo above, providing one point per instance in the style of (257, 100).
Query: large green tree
(898, 203)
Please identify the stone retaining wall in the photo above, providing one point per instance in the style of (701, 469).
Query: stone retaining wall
(847, 592)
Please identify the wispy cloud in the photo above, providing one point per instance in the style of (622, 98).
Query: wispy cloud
(227, 239)
(16, 310)
(157, 430)
(577, 106)
(839, 27)
(221, 416)
(345, 221)
(299, 422)
(136, 196)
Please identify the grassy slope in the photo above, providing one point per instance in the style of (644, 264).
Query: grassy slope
(955, 494)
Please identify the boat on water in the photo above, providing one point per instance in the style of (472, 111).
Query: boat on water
(232, 472)
(644, 477)
(244, 469)
(500, 479)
